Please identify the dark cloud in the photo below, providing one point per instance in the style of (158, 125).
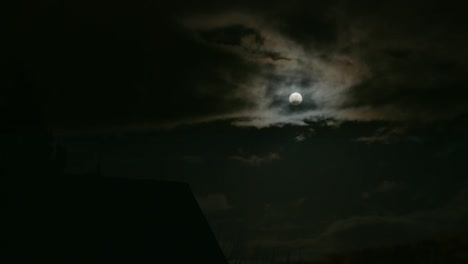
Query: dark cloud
(130, 66)
(378, 230)
(164, 74)
(123, 64)
(256, 160)
(389, 135)
(213, 203)
(373, 231)
(279, 212)
(312, 25)
(409, 69)
(417, 69)
(232, 35)
(366, 231)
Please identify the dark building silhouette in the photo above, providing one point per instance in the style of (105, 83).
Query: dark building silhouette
(111, 221)
(52, 217)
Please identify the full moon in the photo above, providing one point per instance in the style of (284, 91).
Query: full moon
(295, 98)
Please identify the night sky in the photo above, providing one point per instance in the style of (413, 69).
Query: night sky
(198, 91)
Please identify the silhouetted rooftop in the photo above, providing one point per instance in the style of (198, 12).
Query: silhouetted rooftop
(111, 220)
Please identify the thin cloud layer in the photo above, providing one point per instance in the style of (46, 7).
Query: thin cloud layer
(345, 68)
(256, 160)
(353, 61)
(213, 203)
(286, 66)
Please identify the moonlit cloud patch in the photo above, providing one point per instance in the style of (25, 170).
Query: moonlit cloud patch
(241, 61)
(346, 79)
(324, 79)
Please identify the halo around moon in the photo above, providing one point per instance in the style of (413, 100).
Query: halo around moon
(295, 99)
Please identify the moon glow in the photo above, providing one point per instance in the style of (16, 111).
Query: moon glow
(295, 99)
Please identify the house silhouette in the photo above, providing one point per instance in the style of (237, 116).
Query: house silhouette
(108, 220)
(54, 217)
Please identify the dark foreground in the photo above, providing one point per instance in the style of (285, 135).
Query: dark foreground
(107, 221)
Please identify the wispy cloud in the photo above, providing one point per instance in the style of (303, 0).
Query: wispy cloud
(256, 160)
(389, 135)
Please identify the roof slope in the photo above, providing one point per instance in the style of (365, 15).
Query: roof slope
(111, 221)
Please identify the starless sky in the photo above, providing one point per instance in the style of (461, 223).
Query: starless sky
(197, 91)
